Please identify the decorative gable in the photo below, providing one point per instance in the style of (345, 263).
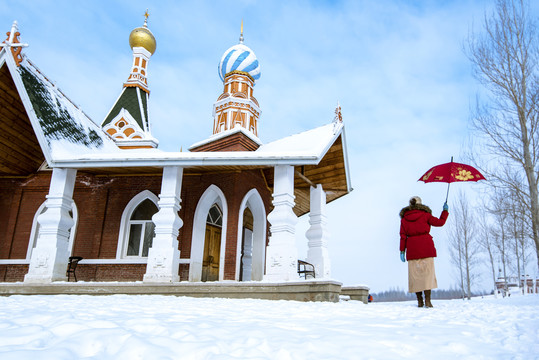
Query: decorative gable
(124, 127)
(127, 122)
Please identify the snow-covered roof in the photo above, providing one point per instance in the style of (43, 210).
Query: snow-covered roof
(315, 141)
(56, 120)
(301, 149)
(224, 134)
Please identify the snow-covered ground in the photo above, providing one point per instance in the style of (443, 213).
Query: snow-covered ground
(168, 327)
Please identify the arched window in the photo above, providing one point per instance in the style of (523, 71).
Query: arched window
(137, 229)
(35, 228)
(141, 229)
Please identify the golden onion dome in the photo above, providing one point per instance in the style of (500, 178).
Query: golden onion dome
(142, 37)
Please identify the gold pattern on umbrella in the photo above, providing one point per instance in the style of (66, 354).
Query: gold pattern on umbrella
(451, 172)
(464, 175)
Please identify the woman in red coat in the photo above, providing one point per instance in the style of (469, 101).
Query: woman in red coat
(415, 239)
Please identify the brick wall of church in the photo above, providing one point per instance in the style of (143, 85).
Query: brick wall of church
(235, 186)
(19, 201)
(100, 202)
(12, 273)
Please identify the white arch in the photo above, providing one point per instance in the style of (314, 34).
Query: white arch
(126, 215)
(253, 201)
(34, 233)
(212, 195)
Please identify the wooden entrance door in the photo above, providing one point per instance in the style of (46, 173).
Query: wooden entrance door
(210, 260)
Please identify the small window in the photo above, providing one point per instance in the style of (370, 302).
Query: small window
(141, 229)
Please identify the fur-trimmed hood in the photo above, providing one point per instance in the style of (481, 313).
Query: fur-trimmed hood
(415, 207)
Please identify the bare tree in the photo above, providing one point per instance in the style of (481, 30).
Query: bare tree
(462, 245)
(505, 60)
(456, 252)
(499, 206)
(516, 224)
(486, 242)
(520, 233)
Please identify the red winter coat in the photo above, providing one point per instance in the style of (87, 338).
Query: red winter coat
(415, 231)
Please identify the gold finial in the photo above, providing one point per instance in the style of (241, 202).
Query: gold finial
(241, 33)
(142, 36)
(14, 43)
(338, 114)
(146, 14)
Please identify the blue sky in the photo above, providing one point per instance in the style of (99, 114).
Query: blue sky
(396, 67)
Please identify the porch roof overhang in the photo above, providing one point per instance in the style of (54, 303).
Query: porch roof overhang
(318, 156)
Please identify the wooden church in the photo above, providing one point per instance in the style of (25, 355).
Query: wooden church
(225, 210)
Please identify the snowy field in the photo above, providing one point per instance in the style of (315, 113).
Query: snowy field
(167, 327)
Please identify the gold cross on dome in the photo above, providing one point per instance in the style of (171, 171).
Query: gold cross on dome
(146, 15)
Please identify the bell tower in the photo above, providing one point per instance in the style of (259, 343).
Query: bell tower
(237, 108)
(143, 44)
(236, 111)
(128, 121)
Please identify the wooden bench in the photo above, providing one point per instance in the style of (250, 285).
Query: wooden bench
(305, 269)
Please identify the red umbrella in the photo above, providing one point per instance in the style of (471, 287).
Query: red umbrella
(451, 172)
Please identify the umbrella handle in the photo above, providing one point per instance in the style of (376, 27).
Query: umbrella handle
(447, 195)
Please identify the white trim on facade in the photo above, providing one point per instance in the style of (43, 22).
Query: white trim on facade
(164, 255)
(253, 201)
(51, 254)
(318, 234)
(33, 234)
(282, 253)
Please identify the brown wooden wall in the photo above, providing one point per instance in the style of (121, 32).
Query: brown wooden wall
(100, 202)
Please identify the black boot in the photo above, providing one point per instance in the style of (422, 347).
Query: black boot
(419, 299)
(427, 299)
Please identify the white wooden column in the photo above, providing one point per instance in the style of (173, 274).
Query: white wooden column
(51, 255)
(164, 255)
(318, 234)
(282, 254)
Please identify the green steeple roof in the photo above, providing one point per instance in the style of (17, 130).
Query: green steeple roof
(135, 101)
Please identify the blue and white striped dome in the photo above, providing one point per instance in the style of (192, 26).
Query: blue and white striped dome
(239, 58)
